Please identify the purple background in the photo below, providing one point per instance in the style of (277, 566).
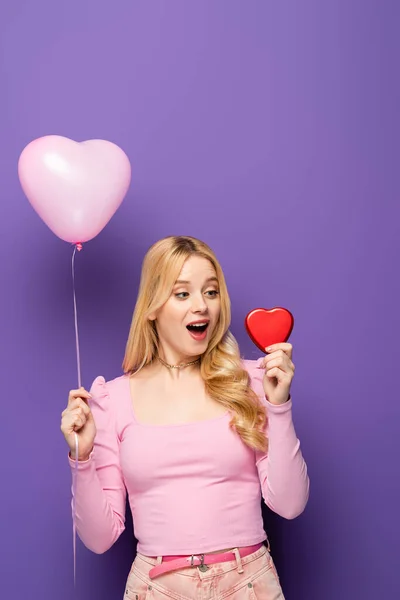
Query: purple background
(271, 131)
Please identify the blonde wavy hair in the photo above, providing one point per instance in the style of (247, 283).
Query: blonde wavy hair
(226, 381)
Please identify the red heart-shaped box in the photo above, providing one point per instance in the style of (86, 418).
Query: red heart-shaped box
(269, 326)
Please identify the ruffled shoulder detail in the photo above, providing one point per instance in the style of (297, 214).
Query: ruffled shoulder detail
(99, 387)
(100, 403)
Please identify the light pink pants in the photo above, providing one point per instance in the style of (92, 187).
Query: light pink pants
(259, 581)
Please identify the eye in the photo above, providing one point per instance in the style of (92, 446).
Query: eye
(179, 295)
(214, 292)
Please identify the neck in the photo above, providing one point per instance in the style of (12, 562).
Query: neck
(175, 365)
(181, 365)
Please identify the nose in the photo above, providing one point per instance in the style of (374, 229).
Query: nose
(199, 304)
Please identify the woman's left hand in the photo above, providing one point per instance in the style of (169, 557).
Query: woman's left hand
(279, 372)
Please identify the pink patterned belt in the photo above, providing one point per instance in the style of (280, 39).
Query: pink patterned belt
(172, 563)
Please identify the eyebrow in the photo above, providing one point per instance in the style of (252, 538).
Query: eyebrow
(180, 281)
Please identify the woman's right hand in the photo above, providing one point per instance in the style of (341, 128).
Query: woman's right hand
(78, 418)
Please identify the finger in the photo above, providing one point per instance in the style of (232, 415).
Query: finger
(78, 403)
(77, 425)
(277, 373)
(81, 393)
(79, 416)
(77, 411)
(83, 406)
(275, 354)
(283, 362)
(72, 422)
(269, 358)
(285, 346)
(86, 410)
(281, 357)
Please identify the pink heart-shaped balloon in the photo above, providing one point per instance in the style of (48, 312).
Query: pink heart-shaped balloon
(75, 187)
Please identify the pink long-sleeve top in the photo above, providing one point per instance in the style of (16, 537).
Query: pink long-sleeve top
(192, 488)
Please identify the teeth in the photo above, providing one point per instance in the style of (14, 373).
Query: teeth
(198, 324)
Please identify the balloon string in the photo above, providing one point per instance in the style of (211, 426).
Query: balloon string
(78, 358)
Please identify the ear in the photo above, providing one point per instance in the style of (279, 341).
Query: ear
(153, 316)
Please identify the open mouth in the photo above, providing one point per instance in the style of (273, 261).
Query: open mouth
(197, 328)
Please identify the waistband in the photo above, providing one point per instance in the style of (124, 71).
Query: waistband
(166, 564)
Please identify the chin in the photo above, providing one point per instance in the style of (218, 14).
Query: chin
(201, 348)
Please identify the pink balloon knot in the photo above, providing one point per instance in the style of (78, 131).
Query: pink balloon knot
(79, 246)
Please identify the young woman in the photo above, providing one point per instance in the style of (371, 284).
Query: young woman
(194, 434)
